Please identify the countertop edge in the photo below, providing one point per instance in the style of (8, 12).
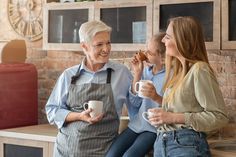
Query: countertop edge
(27, 136)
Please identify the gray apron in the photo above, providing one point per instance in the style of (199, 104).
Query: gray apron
(81, 139)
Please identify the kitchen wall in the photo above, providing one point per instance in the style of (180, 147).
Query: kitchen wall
(51, 63)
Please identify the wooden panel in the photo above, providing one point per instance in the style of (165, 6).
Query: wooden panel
(22, 142)
(210, 20)
(144, 8)
(124, 16)
(228, 24)
(50, 149)
(59, 15)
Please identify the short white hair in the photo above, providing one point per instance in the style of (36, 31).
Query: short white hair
(89, 29)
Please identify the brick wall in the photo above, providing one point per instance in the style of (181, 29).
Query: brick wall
(224, 64)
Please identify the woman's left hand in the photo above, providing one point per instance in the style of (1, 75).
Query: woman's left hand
(160, 117)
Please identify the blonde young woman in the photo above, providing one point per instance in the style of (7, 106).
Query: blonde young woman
(192, 104)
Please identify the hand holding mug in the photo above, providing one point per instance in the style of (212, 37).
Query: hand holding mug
(165, 117)
(147, 115)
(141, 88)
(85, 116)
(96, 107)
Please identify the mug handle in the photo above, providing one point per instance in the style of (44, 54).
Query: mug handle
(84, 105)
(135, 87)
(144, 115)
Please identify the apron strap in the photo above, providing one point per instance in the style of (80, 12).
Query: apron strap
(109, 70)
(76, 76)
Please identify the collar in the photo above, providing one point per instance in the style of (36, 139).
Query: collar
(109, 64)
(161, 71)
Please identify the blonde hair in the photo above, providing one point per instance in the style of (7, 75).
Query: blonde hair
(190, 43)
(89, 29)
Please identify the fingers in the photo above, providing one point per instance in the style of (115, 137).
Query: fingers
(96, 118)
(155, 120)
(154, 123)
(148, 91)
(155, 110)
(135, 59)
(159, 116)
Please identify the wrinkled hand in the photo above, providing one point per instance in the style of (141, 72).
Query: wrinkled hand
(85, 116)
(160, 117)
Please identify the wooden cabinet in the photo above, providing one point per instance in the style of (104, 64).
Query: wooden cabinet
(62, 22)
(206, 11)
(228, 24)
(30, 141)
(129, 32)
(131, 22)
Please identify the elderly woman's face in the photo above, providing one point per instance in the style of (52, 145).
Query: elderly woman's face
(99, 49)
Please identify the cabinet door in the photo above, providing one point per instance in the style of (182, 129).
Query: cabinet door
(13, 147)
(228, 24)
(206, 11)
(131, 22)
(62, 22)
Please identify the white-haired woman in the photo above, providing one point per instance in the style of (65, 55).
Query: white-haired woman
(96, 78)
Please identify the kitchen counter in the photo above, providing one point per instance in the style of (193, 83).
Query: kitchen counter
(36, 139)
(24, 141)
(43, 132)
(223, 147)
(44, 136)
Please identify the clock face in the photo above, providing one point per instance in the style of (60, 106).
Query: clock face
(25, 17)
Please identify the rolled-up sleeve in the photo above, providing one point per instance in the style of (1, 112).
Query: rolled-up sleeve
(56, 108)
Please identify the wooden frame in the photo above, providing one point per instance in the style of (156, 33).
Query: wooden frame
(94, 13)
(63, 6)
(215, 44)
(23, 142)
(121, 4)
(226, 43)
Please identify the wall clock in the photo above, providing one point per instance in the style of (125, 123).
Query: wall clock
(25, 17)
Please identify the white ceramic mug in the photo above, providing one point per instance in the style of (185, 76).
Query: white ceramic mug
(139, 85)
(146, 115)
(95, 105)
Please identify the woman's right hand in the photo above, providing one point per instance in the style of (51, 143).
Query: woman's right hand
(85, 116)
(137, 68)
(137, 65)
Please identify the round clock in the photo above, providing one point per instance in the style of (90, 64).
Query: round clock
(25, 17)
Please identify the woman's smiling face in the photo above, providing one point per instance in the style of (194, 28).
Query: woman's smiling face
(99, 49)
(169, 40)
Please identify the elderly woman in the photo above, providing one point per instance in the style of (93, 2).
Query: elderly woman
(96, 78)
